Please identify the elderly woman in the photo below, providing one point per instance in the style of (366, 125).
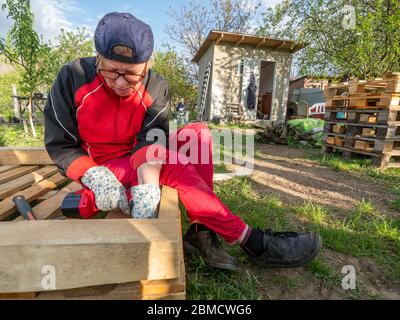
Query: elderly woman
(101, 118)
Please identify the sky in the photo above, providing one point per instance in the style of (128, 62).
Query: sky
(52, 15)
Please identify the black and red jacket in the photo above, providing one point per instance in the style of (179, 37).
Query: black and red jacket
(87, 123)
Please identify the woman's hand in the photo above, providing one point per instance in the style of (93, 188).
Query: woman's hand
(146, 196)
(109, 193)
(149, 173)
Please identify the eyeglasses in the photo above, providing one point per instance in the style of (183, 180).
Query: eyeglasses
(129, 77)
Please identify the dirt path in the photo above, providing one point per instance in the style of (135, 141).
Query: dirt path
(283, 171)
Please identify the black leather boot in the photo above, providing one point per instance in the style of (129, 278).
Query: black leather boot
(285, 249)
(201, 241)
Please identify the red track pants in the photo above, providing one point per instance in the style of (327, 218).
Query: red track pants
(193, 181)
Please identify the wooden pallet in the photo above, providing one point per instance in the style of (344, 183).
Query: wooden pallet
(389, 84)
(383, 154)
(372, 144)
(363, 117)
(378, 93)
(384, 100)
(383, 116)
(115, 258)
(380, 141)
(389, 132)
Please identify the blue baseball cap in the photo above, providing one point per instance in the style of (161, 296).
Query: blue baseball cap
(123, 29)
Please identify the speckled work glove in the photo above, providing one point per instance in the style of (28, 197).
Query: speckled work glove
(109, 193)
(146, 198)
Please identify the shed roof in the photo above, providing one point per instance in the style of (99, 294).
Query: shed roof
(240, 39)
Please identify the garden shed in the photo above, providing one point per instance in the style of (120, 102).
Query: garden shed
(233, 66)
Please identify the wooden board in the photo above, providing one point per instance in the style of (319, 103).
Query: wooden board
(7, 189)
(26, 156)
(87, 252)
(169, 204)
(126, 291)
(15, 173)
(140, 290)
(7, 206)
(52, 206)
(7, 168)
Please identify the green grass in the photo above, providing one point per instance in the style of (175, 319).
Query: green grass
(396, 204)
(220, 168)
(204, 283)
(14, 135)
(390, 177)
(258, 210)
(365, 233)
(320, 269)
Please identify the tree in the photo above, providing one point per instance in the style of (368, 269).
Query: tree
(23, 48)
(70, 46)
(357, 38)
(168, 64)
(39, 62)
(194, 20)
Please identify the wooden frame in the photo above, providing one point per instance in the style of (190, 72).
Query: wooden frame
(93, 259)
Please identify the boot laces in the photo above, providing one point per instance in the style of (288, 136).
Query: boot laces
(284, 234)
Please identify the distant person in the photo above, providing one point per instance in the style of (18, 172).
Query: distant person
(180, 107)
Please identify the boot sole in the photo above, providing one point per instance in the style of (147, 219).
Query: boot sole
(259, 261)
(189, 249)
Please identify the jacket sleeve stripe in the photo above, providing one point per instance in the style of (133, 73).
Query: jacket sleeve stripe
(155, 118)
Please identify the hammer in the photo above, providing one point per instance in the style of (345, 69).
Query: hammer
(25, 209)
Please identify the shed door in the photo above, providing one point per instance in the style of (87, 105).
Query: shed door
(250, 66)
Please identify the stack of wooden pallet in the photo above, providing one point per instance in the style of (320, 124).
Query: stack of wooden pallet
(81, 259)
(363, 117)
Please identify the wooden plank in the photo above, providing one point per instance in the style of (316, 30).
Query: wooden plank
(395, 153)
(8, 167)
(169, 204)
(354, 151)
(140, 290)
(25, 181)
(25, 156)
(87, 252)
(15, 173)
(7, 206)
(52, 206)
(18, 296)
(169, 209)
(47, 195)
(393, 165)
(126, 291)
(339, 98)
